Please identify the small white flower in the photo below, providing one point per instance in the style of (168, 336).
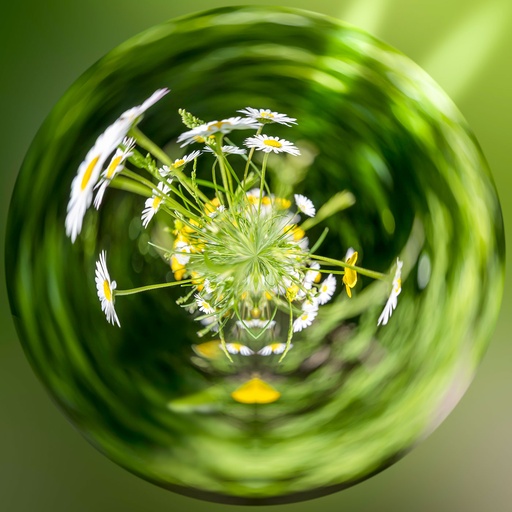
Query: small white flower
(256, 323)
(178, 163)
(273, 348)
(305, 205)
(201, 133)
(90, 169)
(313, 275)
(310, 304)
(208, 321)
(115, 166)
(204, 305)
(228, 150)
(207, 286)
(265, 116)
(267, 144)
(238, 348)
(393, 297)
(304, 320)
(105, 288)
(221, 208)
(87, 176)
(132, 115)
(326, 289)
(182, 252)
(152, 204)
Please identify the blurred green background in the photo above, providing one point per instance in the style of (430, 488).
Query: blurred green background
(465, 466)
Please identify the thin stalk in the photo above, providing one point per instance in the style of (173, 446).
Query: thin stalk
(223, 172)
(160, 154)
(150, 287)
(360, 270)
(290, 332)
(251, 154)
(262, 182)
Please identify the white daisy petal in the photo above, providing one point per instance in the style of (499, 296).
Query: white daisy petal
(267, 144)
(105, 289)
(305, 205)
(304, 320)
(228, 150)
(201, 133)
(182, 253)
(238, 348)
(312, 275)
(90, 169)
(265, 116)
(204, 305)
(152, 204)
(273, 348)
(393, 297)
(115, 166)
(326, 289)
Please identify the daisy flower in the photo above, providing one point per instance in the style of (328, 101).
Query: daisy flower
(179, 162)
(395, 292)
(256, 323)
(131, 116)
(267, 144)
(204, 305)
(273, 348)
(238, 348)
(350, 276)
(310, 304)
(152, 204)
(87, 176)
(312, 275)
(304, 320)
(90, 169)
(326, 290)
(228, 150)
(305, 205)
(115, 166)
(105, 288)
(266, 116)
(182, 252)
(225, 126)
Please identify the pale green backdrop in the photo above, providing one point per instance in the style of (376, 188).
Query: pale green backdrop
(466, 465)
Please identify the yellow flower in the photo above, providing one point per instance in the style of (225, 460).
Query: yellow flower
(350, 277)
(255, 391)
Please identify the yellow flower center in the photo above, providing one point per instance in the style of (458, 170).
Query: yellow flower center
(106, 291)
(113, 165)
(88, 172)
(156, 202)
(179, 163)
(272, 143)
(268, 115)
(218, 125)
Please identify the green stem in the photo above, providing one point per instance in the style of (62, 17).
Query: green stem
(160, 154)
(150, 287)
(174, 205)
(360, 270)
(290, 332)
(249, 159)
(223, 173)
(262, 182)
(149, 145)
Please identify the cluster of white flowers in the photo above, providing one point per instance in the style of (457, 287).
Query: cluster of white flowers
(243, 253)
